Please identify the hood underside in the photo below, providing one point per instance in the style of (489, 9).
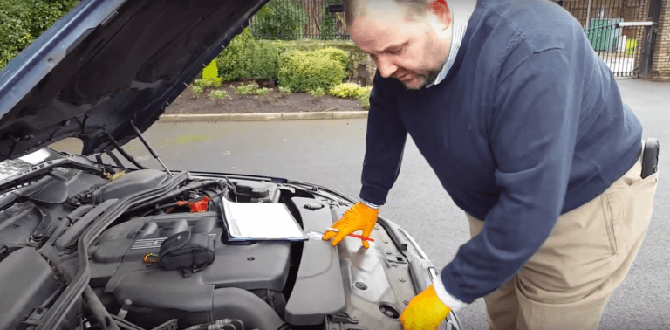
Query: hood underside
(108, 65)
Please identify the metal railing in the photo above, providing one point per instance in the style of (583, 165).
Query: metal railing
(616, 29)
(297, 19)
(618, 45)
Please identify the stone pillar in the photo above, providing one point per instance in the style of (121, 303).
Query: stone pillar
(661, 63)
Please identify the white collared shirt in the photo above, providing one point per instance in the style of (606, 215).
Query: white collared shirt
(457, 33)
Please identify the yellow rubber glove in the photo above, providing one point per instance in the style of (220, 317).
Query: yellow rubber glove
(357, 217)
(425, 311)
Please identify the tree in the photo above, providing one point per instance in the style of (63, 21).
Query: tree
(23, 21)
(279, 19)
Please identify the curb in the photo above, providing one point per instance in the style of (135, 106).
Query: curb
(265, 116)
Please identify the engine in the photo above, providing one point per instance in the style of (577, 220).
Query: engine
(261, 285)
(242, 280)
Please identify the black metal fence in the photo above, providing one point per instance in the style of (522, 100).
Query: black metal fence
(617, 30)
(296, 19)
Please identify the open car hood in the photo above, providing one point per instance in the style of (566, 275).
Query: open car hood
(108, 65)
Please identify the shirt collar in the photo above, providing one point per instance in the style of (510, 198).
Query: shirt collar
(457, 33)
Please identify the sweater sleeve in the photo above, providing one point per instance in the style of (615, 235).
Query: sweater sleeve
(532, 138)
(385, 143)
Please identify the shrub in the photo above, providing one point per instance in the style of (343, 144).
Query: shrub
(207, 83)
(263, 91)
(234, 59)
(14, 30)
(348, 90)
(303, 71)
(282, 46)
(317, 92)
(335, 54)
(245, 90)
(197, 90)
(364, 98)
(218, 95)
(279, 19)
(45, 13)
(211, 75)
(21, 22)
(263, 61)
(246, 58)
(284, 90)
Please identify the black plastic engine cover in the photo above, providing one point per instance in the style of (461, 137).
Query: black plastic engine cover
(27, 282)
(117, 263)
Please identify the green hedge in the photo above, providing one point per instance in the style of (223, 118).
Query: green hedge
(335, 54)
(349, 90)
(247, 58)
(23, 21)
(264, 61)
(305, 71)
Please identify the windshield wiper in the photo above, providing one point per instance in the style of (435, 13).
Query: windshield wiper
(45, 168)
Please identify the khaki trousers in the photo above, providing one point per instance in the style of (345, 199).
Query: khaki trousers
(568, 281)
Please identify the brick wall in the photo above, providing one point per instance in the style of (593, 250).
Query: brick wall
(661, 67)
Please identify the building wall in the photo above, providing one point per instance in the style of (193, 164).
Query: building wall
(661, 67)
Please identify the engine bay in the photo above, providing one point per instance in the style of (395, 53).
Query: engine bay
(87, 246)
(246, 283)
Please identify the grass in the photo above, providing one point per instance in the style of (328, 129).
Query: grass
(183, 139)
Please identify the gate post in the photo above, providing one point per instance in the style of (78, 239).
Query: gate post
(650, 32)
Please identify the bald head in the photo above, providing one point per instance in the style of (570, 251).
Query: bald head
(411, 9)
(408, 39)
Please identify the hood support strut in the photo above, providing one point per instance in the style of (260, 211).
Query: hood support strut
(123, 152)
(151, 150)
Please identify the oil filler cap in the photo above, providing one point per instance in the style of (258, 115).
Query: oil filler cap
(314, 206)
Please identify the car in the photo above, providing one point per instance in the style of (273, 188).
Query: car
(94, 240)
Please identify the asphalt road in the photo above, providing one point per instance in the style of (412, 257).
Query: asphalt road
(331, 153)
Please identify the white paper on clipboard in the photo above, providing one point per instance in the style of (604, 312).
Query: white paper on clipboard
(260, 221)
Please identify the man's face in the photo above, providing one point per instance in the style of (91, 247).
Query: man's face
(408, 50)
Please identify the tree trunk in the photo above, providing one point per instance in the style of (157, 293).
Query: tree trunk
(313, 9)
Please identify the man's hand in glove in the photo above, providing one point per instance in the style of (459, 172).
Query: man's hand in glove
(425, 311)
(358, 217)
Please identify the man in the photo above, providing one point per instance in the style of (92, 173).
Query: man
(525, 128)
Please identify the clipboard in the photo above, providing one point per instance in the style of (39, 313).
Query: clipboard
(254, 222)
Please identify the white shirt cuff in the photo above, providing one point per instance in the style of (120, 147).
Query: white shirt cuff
(454, 304)
(370, 205)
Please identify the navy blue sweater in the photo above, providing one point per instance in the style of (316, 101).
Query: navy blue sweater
(527, 125)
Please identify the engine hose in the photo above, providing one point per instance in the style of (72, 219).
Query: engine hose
(219, 325)
(169, 197)
(98, 311)
(239, 304)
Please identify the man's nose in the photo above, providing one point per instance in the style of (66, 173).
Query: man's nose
(386, 66)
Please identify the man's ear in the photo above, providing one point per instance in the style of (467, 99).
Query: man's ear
(441, 9)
